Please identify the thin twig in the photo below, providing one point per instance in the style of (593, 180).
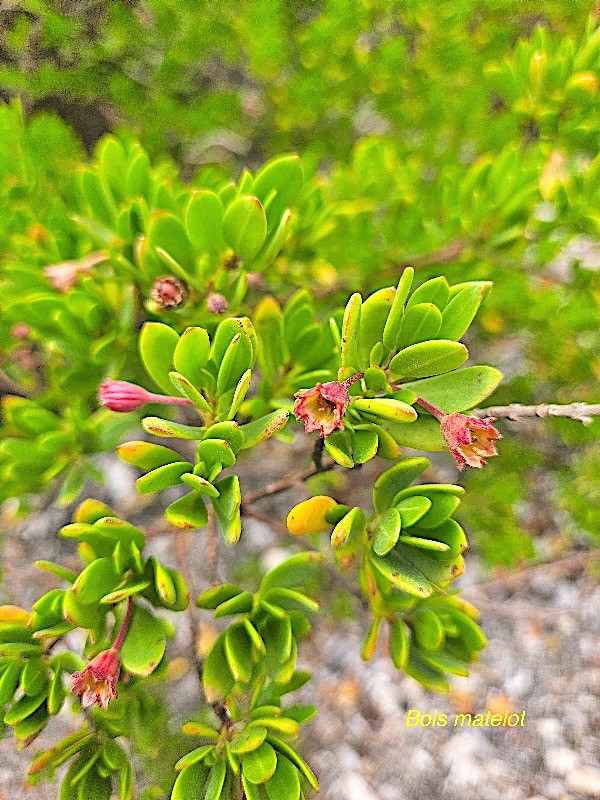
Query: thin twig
(284, 483)
(581, 412)
(559, 567)
(449, 252)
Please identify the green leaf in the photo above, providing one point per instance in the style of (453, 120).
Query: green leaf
(213, 597)
(128, 589)
(460, 312)
(461, 390)
(240, 604)
(239, 394)
(248, 740)
(422, 434)
(365, 444)
(399, 644)
(370, 644)
(157, 343)
(228, 431)
(425, 673)
(337, 444)
(84, 616)
(263, 428)
(290, 600)
(163, 477)
(350, 333)
(9, 680)
(190, 782)
(24, 707)
(200, 485)
(412, 509)
(373, 315)
(238, 652)
(188, 512)
(227, 508)
(216, 780)
(396, 478)
(421, 322)
(391, 330)
(98, 197)
(349, 529)
(34, 676)
(442, 660)
(268, 321)
(144, 644)
(284, 784)
(196, 756)
(377, 408)
(403, 574)
(444, 498)
(278, 184)
(166, 232)
(284, 749)
(293, 573)
(204, 221)
(171, 430)
(186, 389)
(217, 679)
(191, 355)
(96, 580)
(146, 455)
(245, 226)
(428, 358)
(387, 532)
(434, 291)
(260, 764)
(427, 629)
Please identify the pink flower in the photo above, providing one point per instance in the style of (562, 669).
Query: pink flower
(470, 440)
(64, 276)
(169, 292)
(96, 683)
(322, 408)
(125, 396)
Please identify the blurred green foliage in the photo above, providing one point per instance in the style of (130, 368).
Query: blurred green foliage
(457, 137)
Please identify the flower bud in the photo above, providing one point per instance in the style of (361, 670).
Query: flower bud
(124, 396)
(217, 304)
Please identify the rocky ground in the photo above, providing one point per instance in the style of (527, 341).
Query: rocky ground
(543, 659)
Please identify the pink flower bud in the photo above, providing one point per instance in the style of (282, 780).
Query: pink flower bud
(217, 304)
(469, 439)
(96, 683)
(322, 408)
(124, 396)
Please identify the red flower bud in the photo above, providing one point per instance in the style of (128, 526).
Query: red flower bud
(96, 683)
(125, 396)
(470, 439)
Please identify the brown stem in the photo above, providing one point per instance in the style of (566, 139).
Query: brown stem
(118, 643)
(581, 412)
(212, 550)
(284, 483)
(449, 252)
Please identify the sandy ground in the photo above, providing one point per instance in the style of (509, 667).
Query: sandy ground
(543, 659)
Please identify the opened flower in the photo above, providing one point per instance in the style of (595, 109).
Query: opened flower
(96, 683)
(469, 439)
(322, 408)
